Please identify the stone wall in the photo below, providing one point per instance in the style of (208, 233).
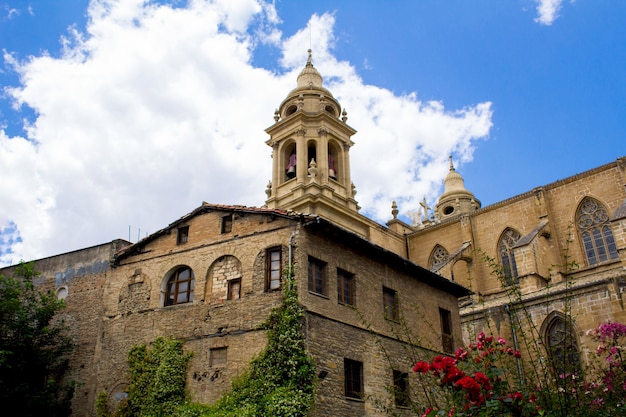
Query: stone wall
(80, 276)
(554, 275)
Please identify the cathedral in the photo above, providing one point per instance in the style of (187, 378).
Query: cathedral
(211, 277)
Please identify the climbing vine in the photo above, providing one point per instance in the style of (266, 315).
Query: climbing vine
(157, 381)
(280, 381)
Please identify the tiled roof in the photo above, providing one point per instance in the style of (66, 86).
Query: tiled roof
(206, 207)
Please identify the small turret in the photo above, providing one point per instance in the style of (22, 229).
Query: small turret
(456, 199)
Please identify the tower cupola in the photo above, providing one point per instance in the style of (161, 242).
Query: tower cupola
(456, 199)
(310, 142)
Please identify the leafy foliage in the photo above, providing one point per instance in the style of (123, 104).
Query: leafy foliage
(280, 381)
(157, 379)
(476, 382)
(487, 378)
(33, 348)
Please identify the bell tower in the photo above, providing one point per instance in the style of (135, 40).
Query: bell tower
(310, 143)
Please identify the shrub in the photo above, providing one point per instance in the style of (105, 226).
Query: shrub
(477, 381)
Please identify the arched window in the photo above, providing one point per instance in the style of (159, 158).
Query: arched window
(333, 162)
(595, 231)
(180, 285)
(438, 256)
(290, 161)
(505, 249)
(562, 345)
(311, 153)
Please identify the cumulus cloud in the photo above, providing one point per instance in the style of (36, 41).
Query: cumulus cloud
(154, 109)
(548, 11)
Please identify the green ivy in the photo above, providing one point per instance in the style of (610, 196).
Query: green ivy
(280, 381)
(157, 379)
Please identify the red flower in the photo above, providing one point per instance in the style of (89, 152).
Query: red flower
(470, 385)
(452, 374)
(442, 363)
(516, 396)
(483, 380)
(421, 367)
(460, 354)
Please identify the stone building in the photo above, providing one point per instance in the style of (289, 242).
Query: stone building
(550, 262)
(211, 277)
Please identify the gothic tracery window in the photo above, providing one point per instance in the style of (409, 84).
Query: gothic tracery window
(438, 256)
(562, 346)
(595, 231)
(505, 249)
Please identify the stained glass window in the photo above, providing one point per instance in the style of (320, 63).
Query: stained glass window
(563, 347)
(438, 256)
(595, 231)
(505, 247)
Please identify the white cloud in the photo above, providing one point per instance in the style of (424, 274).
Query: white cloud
(548, 11)
(155, 109)
(11, 12)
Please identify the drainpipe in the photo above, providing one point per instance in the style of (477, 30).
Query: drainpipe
(406, 246)
(515, 345)
(290, 247)
(293, 234)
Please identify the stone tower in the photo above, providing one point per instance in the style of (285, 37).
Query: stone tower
(456, 199)
(311, 143)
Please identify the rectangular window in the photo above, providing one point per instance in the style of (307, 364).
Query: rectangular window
(273, 268)
(345, 288)
(390, 304)
(353, 376)
(227, 223)
(217, 357)
(182, 235)
(447, 340)
(317, 276)
(234, 289)
(401, 388)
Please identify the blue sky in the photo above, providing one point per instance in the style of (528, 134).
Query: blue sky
(116, 119)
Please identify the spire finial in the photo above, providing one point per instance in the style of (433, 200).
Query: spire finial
(310, 60)
(451, 165)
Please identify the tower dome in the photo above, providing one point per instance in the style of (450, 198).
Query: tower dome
(309, 77)
(456, 199)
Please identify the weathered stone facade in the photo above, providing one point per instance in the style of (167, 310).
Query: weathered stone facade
(80, 278)
(560, 274)
(212, 277)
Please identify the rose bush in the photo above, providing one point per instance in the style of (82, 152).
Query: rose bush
(485, 379)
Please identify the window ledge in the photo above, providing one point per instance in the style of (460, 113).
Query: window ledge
(597, 264)
(180, 305)
(348, 305)
(358, 400)
(319, 295)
